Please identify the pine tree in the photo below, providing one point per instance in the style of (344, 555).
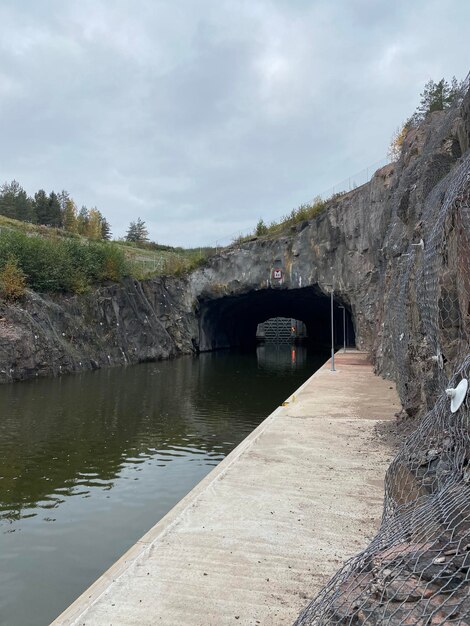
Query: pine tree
(137, 232)
(105, 229)
(62, 197)
(7, 204)
(7, 200)
(55, 211)
(261, 228)
(456, 88)
(15, 203)
(41, 205)
(142, 231)
(131, 234)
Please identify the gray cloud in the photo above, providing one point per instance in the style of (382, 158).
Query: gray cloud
(200, 117)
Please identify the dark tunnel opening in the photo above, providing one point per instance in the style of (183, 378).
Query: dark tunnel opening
(231, 321)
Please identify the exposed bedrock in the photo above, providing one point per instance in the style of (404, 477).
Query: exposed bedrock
(409, 306)
(117, 324)
(358, 246)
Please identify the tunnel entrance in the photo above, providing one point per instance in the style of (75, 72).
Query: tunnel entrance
(232, 321)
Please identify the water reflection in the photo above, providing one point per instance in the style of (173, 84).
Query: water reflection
(281, 357)
(89, 462)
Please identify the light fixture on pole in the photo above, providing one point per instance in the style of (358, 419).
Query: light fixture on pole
(332, 368)
(344, 327)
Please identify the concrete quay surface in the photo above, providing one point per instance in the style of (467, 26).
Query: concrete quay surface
(265, 530)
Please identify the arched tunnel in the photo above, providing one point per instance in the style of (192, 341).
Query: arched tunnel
(231, 321)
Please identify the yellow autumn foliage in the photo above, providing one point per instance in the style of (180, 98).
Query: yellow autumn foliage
(12, 281)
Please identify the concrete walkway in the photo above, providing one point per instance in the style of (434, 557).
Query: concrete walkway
(262, 533)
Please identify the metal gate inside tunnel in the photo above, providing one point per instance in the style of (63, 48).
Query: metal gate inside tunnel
(281, 330)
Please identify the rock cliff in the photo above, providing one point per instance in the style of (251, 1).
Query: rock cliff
(409, 302)
(363, 245)
(117, 324)
(416, 569)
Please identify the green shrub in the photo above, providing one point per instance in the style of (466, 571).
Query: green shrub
(62, 264)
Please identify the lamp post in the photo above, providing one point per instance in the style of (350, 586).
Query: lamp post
(332, 334)
(332, 368)
(344, 327)
(332, 330)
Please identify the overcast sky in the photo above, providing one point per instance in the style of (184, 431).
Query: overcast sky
(200, 116)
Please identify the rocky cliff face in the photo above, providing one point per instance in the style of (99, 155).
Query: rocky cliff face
(409, 304)
(117, 324)
(363, 245)
(416, 569)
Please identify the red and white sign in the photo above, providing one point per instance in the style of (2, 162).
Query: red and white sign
(277, 274)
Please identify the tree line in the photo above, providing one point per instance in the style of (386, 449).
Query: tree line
(54, 209)
(436, 96)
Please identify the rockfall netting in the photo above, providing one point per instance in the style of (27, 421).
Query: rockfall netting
(417, 569)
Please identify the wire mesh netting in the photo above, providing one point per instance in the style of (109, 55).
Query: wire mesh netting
(417, 569)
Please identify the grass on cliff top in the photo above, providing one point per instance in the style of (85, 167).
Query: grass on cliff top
(54, 260)
(150, 259)
(7, 223)
(301, 214)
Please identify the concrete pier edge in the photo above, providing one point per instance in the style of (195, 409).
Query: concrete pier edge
(94, 594)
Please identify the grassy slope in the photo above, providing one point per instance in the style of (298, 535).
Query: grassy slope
(144, 261)
(158, 260)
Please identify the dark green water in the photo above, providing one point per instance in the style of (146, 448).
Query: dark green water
(88, 463)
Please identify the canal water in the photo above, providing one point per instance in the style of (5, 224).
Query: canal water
(89, 462)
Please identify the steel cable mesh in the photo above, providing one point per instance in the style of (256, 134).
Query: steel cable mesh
(417, 569)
